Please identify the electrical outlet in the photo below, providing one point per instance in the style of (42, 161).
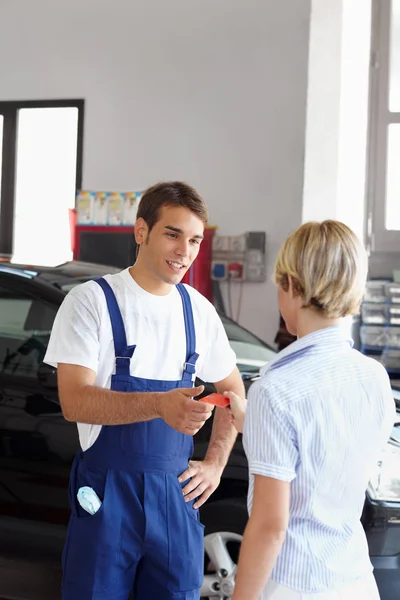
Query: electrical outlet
(255, 272)
(221, 243)
(238, 243)
(255, 240)
(255, 257)
(236, 270)
(219, 270)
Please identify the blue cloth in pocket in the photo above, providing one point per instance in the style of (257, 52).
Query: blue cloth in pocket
(88, 499)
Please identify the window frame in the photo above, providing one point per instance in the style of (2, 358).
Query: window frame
(380, 239)
(9, 110)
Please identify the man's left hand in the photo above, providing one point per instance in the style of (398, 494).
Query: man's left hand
(205, 477)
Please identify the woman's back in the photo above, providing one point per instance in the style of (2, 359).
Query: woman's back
(328, 414)
(316, 423)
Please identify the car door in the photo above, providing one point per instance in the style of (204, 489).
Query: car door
(37, 444)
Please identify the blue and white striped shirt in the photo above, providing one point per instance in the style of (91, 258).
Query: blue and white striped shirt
(318, 418)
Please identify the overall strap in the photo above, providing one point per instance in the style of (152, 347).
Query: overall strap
(123, 352)
(191, 356)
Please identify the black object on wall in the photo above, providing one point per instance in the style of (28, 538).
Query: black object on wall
(114, 249)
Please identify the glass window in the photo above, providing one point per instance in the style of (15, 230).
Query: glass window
(1, 147)
(25, 326)
(45, 184)
(394, 72)
(392, 221)
(383, 186)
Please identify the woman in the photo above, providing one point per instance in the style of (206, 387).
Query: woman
(316, 422)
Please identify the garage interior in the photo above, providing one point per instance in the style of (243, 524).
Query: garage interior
(278, 113)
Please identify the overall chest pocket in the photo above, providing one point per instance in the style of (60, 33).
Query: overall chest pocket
(151, 439)
(148, 439)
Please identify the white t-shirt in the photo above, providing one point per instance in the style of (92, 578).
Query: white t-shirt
(82, 335)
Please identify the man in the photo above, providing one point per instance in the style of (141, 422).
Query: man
(128, 348)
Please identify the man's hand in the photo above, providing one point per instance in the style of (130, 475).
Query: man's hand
(237, 410)
(205, 478)
(178, 410)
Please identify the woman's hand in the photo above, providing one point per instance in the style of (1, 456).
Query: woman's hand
(237, 410)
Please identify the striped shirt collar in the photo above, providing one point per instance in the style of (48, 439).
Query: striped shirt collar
(318, 340)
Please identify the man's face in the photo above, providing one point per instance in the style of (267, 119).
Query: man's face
(172, 245)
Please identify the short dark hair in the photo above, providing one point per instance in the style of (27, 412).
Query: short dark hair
(170, 193)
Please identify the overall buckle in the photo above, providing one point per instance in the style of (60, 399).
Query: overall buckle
(189, 370)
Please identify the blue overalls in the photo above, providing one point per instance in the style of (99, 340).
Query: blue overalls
(144, 536)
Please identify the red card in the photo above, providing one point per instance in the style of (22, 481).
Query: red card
(216, 399)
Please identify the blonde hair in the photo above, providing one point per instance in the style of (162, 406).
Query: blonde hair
(328, 265)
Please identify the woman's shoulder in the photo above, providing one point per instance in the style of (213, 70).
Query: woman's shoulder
(273, 390)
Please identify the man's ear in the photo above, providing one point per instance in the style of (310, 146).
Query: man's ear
(141, 231)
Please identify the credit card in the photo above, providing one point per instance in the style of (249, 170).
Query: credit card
(216, 399)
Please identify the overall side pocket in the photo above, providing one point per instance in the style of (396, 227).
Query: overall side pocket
(186, 541)
(92, 556)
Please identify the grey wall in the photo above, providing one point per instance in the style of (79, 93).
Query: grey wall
(382, 264)
(211, 92)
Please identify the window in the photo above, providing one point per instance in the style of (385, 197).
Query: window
(25, 326)
(392, 220)
(384, 154)
(40, 171)
(1, 146)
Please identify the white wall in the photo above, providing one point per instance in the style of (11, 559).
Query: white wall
(211, 92)
(337, 112)
(354, 113)
(323, 102)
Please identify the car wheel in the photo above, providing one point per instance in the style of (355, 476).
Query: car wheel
(224, 522)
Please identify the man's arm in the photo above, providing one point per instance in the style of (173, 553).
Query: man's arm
(83, 402)
(206, 474)
(263, 537)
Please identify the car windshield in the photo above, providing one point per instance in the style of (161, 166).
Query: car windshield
(251, 353)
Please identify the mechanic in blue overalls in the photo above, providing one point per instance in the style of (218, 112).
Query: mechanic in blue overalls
(128, 348)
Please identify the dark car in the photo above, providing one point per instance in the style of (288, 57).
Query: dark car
(37, 446)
